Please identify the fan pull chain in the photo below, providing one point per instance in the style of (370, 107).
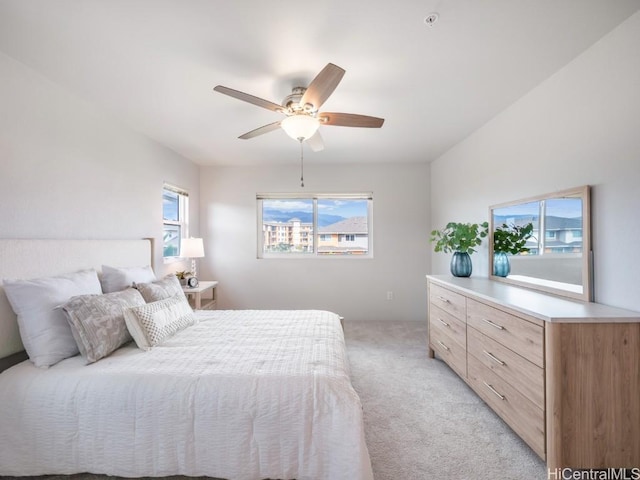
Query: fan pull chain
(301, 163)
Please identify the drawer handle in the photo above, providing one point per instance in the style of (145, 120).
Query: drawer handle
(493, 357)
(443, 345)
(494, 390)
(444, 323)
(494, 325)
(445, 300)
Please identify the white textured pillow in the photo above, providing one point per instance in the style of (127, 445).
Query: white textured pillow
(117, 279)
(97, 321)
(151, 324)
(44, 330)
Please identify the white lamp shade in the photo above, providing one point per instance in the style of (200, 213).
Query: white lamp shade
(300, 126)
(191, 248)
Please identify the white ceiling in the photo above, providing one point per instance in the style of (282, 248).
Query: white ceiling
(152, 64)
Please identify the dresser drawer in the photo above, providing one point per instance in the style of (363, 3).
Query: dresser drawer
(521, 336)
(448, 349)
(517, 371)
(451, 302)
(456, 328)
(525, 418)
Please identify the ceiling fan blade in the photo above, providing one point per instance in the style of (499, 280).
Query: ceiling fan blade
(315, 142)
(322, 86)
(245, 97)
(261, 130)
(349, 120)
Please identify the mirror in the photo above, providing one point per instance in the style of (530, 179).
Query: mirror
(556, 257)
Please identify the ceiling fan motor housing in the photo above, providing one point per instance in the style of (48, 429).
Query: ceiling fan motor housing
(292, 102)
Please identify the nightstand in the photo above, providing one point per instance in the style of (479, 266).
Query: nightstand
(197, 301)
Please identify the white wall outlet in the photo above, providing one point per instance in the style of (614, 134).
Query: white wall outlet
(389, 295)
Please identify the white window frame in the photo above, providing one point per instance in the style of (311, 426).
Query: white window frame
(314, 197)
(183, 219)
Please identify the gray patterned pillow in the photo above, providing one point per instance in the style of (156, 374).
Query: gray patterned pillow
(97, 321)
(168, 287)
(153, 323)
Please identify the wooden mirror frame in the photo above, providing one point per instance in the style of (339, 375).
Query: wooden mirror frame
(555, 288)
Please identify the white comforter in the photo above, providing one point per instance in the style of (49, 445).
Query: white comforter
(241, 395)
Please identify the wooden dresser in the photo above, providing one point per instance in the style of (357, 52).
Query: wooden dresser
(563, 374)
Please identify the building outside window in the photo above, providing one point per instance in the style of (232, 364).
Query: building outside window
(305, 226)
(175, 215)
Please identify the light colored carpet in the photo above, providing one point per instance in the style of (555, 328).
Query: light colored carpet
(422, 422)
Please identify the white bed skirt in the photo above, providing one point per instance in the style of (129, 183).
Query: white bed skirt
(242, 395)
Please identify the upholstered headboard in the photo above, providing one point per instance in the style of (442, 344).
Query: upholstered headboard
(44, 258)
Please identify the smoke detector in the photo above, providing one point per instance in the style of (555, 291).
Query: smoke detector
(431, 19)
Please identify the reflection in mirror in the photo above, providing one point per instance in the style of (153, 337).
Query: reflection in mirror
(556, 256)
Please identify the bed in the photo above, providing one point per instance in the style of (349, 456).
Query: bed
(237, 395)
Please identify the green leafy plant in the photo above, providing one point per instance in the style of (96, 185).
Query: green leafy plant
(183, 275)
(459, 237)
(512, 238)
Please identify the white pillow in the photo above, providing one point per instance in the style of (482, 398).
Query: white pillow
(116, 279)
(151, 324)
(97, 321)
(44, 330)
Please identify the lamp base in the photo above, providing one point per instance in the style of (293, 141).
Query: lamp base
(193, 268)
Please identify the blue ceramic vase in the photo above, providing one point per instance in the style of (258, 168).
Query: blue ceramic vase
(461, 264)
(501, 266)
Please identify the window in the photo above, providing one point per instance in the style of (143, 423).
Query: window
(314, 225)
(175, 215)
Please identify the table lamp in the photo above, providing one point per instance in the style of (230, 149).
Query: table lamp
(192, 248)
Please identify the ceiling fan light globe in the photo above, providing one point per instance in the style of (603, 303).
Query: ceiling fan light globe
(300, 126)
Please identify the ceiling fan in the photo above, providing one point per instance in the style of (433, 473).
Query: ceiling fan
(302, 110)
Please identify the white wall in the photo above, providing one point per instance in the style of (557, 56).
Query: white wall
(354, 288)
(581, 126)
(70, 171)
